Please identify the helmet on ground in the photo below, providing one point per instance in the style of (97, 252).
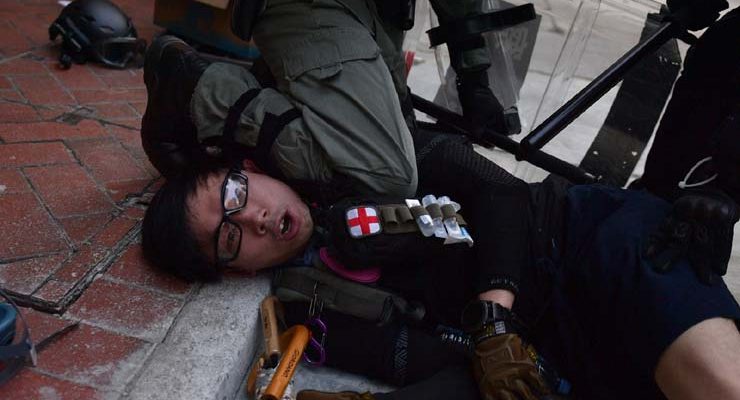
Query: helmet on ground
(15, 350)
(96, 30)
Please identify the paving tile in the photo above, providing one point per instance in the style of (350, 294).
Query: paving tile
(34, 28)
(38, 131)
(42, 325)
(55, 111)
(139, 106)
(53, 291)
(107, 95)
(133, 268)
(26, 227)
(113, 232)
(42, 90)
(149, 167)
(123, 79)
(29, 384)
(12, 95)
(115, 111)
(11, 181)
(28, 154)
(23, 66)
(129, 138)
(68, 190)
(130, 123)
(94, 356)
(24, 277)
(49, 53)
(134, 213)
(79, 77)
(118, 191)
(80, 229)
(108, 161)
(80, 264)
(128, 310)
(13, 42)
(14, 112)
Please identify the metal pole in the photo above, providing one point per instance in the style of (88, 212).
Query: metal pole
(561, 118)
(535, 157)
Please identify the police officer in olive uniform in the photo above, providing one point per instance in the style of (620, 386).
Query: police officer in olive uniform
(337, 108)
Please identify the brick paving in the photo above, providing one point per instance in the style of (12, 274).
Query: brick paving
(70, 164)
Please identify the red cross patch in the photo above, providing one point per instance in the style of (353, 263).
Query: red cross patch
(363, 221)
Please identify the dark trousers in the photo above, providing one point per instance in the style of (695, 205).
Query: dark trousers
(599, 313)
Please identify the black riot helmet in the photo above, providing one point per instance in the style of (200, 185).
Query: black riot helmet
(96, 30)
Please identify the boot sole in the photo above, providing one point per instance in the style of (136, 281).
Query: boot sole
(151, 80)
(152, 58)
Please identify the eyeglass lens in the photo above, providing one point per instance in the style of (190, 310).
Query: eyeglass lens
(234, 199)
(235, 193)
(229, 239)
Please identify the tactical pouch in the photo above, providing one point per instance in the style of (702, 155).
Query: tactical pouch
(310, 284)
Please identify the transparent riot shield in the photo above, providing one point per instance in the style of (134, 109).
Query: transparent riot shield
(540, 64)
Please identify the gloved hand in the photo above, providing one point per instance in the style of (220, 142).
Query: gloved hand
(481, 108)
(699, 228)
(504, 369)
(696, 14)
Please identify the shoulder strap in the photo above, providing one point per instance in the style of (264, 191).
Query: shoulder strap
(271, 127)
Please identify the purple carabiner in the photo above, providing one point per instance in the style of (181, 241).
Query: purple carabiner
(311, 323)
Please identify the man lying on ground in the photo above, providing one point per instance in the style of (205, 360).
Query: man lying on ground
(591, 303)
(581, 283)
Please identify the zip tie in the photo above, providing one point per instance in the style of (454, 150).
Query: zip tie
(684, 185)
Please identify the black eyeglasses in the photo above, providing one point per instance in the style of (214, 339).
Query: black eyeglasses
(233, 199)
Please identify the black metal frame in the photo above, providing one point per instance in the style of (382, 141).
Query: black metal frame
(529, 148)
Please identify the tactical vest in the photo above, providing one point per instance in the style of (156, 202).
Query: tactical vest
(361, 236)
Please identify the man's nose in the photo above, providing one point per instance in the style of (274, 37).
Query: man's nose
(254, 219)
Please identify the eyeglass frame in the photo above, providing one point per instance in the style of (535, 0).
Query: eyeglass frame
(225, 218)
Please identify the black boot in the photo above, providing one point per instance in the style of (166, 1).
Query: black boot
(171, 71)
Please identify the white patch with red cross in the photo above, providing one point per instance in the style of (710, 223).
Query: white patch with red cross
(363, 221)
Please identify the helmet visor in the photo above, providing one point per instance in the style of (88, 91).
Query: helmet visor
(118, 52)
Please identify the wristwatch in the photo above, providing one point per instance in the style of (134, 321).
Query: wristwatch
(480, 315)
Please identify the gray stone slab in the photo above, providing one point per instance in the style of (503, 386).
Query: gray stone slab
(327, 380)
(208, 349)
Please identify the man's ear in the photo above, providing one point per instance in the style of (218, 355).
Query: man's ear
(250, 166)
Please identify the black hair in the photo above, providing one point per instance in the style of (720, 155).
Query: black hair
(168, 241)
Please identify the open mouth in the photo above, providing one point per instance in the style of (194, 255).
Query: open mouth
(285, 224)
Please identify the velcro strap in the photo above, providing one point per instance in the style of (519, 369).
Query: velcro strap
(418, 211)
(271, 127)
(269, 131)
(434, 211)
(398, 218)
(448, 211)
(463, 29)
(235, 112)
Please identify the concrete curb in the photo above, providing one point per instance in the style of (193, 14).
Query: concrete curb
(208, 349)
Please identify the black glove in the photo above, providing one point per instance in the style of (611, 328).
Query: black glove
(482, 109)
(696, 14)
(699, 228)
